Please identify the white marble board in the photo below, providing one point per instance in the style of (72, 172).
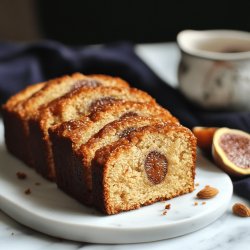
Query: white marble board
(50, 211)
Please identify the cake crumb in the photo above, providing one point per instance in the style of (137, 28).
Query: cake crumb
(168, 206)
(27, 191)
(203, 203)
(37, 183)
(196, 203)
(21, 175)
(197, 184)
(164, 212)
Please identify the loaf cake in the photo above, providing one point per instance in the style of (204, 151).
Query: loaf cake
(25, 105)
(71, 106)
(108, 134)
(106, 144)
(153, 163)
(69, 136)
(14, 128)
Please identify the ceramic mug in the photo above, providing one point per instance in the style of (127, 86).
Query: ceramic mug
(214, 70)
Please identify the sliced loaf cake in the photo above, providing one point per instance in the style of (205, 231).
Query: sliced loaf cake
(13, 125)
(154, 163)
(72, 106)
(26, 104)
(107, 135)
(69, 136)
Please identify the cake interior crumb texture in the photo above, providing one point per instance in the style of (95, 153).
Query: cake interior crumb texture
(110, 133)
(70, 107)
(126, 183)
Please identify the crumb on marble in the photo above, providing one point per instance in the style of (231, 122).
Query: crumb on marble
(21, 175)
(27, 191)
(168, 206)
(164, 212)
(203, 203)
(197, 184)
(196, 203)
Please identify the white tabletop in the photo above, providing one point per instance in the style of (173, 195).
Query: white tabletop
(228, 232)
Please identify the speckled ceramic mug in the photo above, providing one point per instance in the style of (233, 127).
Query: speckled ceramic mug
(214, 70)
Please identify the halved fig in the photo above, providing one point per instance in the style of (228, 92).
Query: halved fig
(231, 151)
(204, 137)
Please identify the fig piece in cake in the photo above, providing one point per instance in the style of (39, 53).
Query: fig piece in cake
(231, 151)
(204, 137)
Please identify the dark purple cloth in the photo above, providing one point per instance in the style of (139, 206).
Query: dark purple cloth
(23, 64)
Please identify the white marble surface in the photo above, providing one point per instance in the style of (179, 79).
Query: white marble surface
(228, 232)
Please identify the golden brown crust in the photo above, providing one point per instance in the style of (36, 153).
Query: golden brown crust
(62, 85)
(123, 107)
(118, 80)
(112, 131)
(73, 128)
(45, 104)
(75, 104)
(77, 132)
(59, 106)
(110, 153)
(14, 128)
(26, 105)
(21, 96)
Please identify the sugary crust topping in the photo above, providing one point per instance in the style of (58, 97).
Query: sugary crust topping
(64, 128)
(118, 127)
(100, 103)
(129, 114)
(22, 96)
(132, 107)
(64, 84)
(107, 154)
(118, 109)
(86, 83)
(107, 78)
(112, 92)
(36, 99)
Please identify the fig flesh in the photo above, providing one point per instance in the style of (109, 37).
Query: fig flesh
(231, 151)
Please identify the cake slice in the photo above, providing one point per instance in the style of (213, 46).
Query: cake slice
(13, 126)
(69, 136)
(151, 164)
(107, 135)
(25, 105)
(72, 106)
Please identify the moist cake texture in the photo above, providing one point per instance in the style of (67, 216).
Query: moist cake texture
(154, 163)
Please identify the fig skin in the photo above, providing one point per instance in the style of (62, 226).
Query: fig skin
(204, 137)
(220, 157)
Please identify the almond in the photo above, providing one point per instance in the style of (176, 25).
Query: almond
(207, 192)
(241, 210)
